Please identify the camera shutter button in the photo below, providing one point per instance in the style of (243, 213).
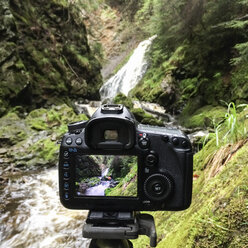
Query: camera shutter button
(144, 143)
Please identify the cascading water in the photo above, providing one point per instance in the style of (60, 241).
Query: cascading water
(32, 216)
(130, 74)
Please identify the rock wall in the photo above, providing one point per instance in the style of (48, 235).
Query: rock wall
(44, 55)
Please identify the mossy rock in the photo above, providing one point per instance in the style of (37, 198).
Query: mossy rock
(123, 99)
(45, 57)
(45, 152)
(145, 118)
(57, 116)
(204, 117)
(12, 130)
(33, 141)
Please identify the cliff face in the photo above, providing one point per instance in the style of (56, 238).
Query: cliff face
(44, 54)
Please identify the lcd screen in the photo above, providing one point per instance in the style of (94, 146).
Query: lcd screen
(106, 176)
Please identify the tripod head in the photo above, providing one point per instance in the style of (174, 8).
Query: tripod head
(110, 243)
(113, 229)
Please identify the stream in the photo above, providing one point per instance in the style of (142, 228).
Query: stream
(33, 216)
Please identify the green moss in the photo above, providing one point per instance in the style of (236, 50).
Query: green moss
(58, 116)
(127, 185)
(45, 150)
(12, 129)
(218, 214)
(239, 83)
(204, 117)
(123, 99)
(203, 156)
(145, 118)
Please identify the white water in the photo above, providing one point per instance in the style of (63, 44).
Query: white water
(32, 215)
(130, 74)
(99, 190)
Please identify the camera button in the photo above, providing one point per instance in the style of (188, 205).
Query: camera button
(66, 185)
(66, 195)
(165, 138)
(157, 188)
(66, 165)
(175, 141)
(144, 143)
(151, 160)
(66, 175)
(66, 154)
(79, 141)
(68, 141)
(184, 143)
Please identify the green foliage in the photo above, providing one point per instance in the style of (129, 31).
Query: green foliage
(45, 57)
(198, 42)
(235, 126)
(206, 116)
(127, 185)
(242, 49)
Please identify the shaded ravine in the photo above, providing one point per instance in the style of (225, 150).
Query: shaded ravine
(31, 214)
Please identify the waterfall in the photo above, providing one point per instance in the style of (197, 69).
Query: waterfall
(130, 74)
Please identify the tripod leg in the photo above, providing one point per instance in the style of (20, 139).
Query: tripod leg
(110, 243)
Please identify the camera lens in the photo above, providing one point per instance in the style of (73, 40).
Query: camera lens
(158, 187)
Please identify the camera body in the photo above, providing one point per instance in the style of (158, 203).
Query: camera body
(113, 163)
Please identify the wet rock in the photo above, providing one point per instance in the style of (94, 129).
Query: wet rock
(82, 187)
(168, 96)
(44, 55)
(3, 151)
(12, 130)
(87, 167)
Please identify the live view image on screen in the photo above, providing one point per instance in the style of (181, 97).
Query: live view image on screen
(106, 175)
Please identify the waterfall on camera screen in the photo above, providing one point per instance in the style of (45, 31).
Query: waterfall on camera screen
(130, 74)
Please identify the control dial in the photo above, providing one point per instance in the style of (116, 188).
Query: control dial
(158, 187)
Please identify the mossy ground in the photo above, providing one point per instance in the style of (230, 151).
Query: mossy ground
(218, 214)
(204, 117)
(32, 141)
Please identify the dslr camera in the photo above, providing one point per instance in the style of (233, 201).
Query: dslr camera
(113, 163)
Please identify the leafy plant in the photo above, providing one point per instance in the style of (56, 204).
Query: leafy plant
(234, 127)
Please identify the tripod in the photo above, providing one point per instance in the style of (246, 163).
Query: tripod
(114, 229)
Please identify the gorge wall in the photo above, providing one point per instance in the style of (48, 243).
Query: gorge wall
(44, 55)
